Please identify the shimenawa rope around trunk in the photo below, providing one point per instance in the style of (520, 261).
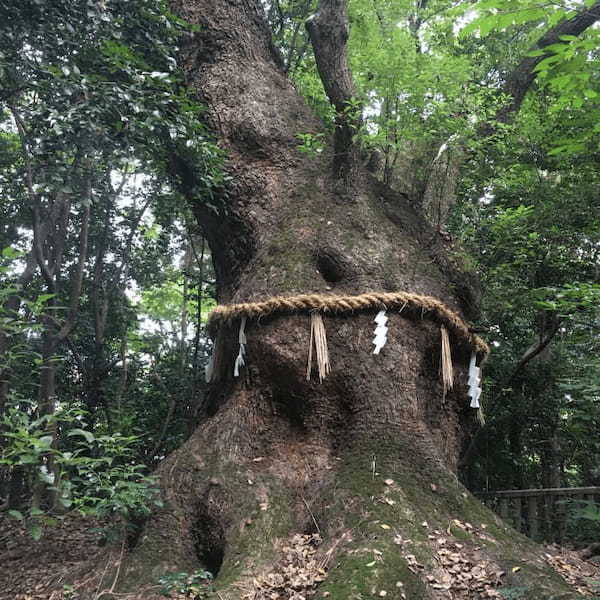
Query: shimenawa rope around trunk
(409, 304)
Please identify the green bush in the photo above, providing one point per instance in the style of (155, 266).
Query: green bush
(99, 476)
(191, 585)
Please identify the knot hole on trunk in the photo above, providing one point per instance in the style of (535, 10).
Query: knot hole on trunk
(209, 540)
(332, 265)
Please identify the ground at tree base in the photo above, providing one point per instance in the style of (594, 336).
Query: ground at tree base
(71, 555)
(39, 570)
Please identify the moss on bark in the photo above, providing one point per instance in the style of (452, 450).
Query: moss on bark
(383, 509)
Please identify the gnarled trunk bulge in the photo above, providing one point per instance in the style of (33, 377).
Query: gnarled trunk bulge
(346, 488)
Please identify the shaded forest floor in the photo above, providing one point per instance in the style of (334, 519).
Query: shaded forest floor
(72, 553)
(39, 570)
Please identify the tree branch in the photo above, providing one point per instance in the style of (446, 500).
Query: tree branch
(78, 276)
(520, 80)
(545, 338)
(24, 151)
(167, 421)
(328, 30)
(123, 269)
(38, 236)
(100, 304)
(60, 224)
(289, 61)
(38, 241)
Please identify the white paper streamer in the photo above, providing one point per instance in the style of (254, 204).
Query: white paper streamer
(242, 335)
(380, 332)
(240, 361)
(474, 381)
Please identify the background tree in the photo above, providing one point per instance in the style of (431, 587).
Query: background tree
(83, 104)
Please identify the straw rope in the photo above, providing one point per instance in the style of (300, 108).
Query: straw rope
(411, 305)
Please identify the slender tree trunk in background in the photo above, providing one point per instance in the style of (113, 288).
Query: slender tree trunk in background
(17, 489)
(46, 406)
(16, 483)
(196, 397)
(557, 468)
(516, 450)
(183, 345)
(122, 376)
(275, 454)
(54, 333)
(105, 286)
(4, 373)
(11, 306)
(551, 462)
(17, 486)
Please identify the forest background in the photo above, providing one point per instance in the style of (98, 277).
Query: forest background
(107, 281)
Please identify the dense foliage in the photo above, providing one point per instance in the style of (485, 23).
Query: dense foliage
(104, 284)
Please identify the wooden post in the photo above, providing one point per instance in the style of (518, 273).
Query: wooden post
(504, 508)
(532, 517)
(549, 527)
(517, 514)
(554, 518)
(562, 512)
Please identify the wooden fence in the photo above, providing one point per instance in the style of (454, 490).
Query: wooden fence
(540, 514)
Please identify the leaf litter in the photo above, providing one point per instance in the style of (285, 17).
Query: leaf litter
(295, 576)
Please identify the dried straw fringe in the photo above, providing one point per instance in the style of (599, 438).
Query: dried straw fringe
(318, 337)
(447, 369)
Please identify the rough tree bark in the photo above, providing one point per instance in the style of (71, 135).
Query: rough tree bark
(275, 454)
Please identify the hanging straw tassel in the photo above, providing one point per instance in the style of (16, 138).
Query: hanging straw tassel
(447, 369)
(318, 337)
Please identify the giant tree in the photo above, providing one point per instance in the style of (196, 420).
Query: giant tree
(365, 458)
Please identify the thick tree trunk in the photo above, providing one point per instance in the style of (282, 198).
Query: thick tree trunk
(366, 458)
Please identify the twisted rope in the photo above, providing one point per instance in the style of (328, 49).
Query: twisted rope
(411, 305)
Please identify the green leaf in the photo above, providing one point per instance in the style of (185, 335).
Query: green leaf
(16, 514)
(9, 252)
(36, 532)
(46, 441)
(88, 435)
(535, 53)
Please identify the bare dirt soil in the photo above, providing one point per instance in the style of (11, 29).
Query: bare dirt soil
(39, 570)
